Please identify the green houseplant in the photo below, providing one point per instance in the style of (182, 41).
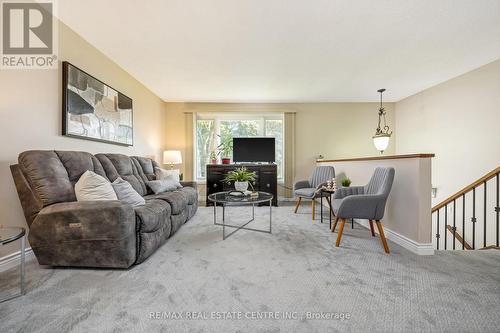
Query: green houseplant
(346, 182)
(225, 148)
(213, 157)
(241, 178)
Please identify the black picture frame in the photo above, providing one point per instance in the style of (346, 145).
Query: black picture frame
(69, 107)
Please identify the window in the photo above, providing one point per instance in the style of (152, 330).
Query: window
(210, 129)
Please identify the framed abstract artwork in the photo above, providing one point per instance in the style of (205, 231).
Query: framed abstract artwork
(92, 110)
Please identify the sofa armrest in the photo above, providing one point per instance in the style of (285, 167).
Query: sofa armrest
(343, 192)
(301, 184)
(191, 183)
(362, 206)
(84, 220)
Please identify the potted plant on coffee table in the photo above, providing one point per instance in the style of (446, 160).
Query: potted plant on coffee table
(225, 148)
(241, 178)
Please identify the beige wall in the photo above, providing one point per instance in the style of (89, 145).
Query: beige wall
(334, 130)
(30, 109)
(459, 121)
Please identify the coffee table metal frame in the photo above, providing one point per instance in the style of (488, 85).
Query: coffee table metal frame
(4, 241)
(235, 202)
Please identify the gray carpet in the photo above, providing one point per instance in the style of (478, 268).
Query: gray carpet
(291, 272)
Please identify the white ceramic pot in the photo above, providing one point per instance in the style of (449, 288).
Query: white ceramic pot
(241, 186)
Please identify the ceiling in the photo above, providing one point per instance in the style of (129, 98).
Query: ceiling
(289, 50)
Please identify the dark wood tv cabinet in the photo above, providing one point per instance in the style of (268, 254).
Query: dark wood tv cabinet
(266, 180)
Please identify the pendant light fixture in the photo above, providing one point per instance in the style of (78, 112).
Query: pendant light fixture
(382, 135)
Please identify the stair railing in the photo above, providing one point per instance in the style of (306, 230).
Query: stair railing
(482, 186)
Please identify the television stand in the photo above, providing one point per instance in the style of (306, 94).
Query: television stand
(249, 163)
(266, 180)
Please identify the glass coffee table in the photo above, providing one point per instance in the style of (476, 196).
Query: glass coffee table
(225, 199)
(7, 236)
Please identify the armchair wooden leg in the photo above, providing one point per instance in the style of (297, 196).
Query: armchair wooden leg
(334, 225)
(341, 229)
(297, 205)
(313, 204)
(382, 237)
(371, 228)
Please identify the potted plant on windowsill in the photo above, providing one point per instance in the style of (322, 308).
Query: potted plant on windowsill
(213, 157)
(225, 148)
(241, 178)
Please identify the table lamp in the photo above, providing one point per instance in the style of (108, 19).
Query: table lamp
(172, 157)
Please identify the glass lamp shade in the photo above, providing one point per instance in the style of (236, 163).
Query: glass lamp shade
(381, 141)
(172, 157)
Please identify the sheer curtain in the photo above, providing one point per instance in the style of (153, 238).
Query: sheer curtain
(189, 119)
(289, 118)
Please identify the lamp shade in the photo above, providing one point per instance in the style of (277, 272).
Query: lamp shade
(381, 142)
(172, 157)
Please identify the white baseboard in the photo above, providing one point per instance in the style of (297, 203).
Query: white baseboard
(423, 249)
(13, 260)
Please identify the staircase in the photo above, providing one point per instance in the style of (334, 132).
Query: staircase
(469, 219)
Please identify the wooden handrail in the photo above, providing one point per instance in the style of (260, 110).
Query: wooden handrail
(381, 157)
(466, 189)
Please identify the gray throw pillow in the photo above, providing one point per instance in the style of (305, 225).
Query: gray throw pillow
(126, 193)
(164, 185)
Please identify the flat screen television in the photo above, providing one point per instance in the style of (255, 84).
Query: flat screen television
(253, 150)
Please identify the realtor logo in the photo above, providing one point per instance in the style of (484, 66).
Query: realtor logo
(28, 35)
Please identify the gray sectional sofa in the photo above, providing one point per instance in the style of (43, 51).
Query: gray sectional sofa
(64, 232)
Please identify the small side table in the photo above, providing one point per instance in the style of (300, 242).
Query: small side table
(330, 192)
(329, 199)
(9, 235)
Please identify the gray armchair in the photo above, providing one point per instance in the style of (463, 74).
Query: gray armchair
(364, 202)
(307, 189)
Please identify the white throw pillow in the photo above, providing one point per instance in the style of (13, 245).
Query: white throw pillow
(126, 193)
(92, 187)
(162, 174)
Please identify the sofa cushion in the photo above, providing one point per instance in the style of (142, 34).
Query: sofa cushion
(146, 166)
(52, 174)
(47, 176)
(190, 193)
(152, 215)
(118, 165)
(77, 162)
(177, 200)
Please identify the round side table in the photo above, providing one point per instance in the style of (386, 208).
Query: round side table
(9, 235)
